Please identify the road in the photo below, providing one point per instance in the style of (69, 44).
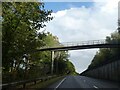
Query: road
(83, 82)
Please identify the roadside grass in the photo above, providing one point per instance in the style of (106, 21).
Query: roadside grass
(45, 84)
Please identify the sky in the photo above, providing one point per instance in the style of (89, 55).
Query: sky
(82, 21)
(58, 6)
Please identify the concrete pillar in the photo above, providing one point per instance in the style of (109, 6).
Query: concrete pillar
(58, 55)
(52, 61)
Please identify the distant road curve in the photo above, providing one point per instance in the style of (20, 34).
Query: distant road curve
(83, 82)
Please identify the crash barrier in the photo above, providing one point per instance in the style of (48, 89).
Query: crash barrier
(25, 82)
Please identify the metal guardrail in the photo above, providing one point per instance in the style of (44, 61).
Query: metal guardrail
(91, 42)
(14, 84)
(68, 44)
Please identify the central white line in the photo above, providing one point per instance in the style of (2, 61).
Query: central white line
(59, 83)
(95, 87)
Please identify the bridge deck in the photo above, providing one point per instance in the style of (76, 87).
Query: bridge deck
(77, 47)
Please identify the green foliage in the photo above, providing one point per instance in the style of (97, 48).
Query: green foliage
(20, 24)
(21, 20)
(21, 37)
(62, 64)
(106, 55)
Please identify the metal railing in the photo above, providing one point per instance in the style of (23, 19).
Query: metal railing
(81, 43)
(24, 82)
(91, 42)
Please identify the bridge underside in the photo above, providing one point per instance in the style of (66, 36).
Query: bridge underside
(80, 47)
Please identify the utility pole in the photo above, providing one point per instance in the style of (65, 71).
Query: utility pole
(52, 61)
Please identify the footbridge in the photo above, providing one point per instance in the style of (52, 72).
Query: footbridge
(78, 46)
(81, 45)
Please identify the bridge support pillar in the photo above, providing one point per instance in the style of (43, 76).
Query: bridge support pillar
(52, 61)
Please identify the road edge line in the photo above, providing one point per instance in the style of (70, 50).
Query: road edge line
(95, 87)
(60, 83)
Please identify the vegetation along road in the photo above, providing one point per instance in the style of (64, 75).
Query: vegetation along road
(23, 35)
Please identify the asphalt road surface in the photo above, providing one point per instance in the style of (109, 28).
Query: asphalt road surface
(83, 82)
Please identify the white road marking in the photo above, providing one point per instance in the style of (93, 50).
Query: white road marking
(95, 87)
(59, 84)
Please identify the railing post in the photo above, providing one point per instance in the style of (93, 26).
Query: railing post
(52, 61)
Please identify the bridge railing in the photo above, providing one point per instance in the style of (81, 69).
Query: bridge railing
(92, 42)
(81, 43)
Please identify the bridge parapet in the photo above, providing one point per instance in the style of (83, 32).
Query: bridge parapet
(91, 42)
(80, 43)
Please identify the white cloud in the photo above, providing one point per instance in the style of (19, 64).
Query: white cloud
(79, 24)
(82, 58)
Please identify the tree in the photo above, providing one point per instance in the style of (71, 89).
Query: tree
(20, 24)
(107, 55)
(21, 20)
(70, 69)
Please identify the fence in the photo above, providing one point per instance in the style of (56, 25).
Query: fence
(110, 71)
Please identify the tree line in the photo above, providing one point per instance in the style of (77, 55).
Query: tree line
(21, 33)
(107, 55)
